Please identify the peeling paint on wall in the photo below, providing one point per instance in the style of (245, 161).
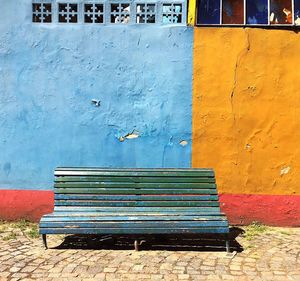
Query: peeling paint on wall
(133, 135)
(96, 102)
(183, 143)
(285, 171)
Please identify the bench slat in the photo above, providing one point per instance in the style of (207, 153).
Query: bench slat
(135, 179)
(134, 224)
(130, 217)
(135, 169)
(138, 203)
(130, 214)
(134, 191)
(135, 173)
(136, 197)
(133, 230)
(135, 185)
(193, 210)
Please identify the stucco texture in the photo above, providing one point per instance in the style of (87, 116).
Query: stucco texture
(246, 109)
(90, 95)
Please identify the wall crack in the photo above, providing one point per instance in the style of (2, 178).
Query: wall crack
(242, 53)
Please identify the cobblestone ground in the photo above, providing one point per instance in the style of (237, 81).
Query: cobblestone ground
(260, 253)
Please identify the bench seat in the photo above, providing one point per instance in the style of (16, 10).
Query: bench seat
(134, 201)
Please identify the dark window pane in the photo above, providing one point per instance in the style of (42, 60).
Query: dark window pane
(47, 13)
(208, 12)
(257, 11)
(233, 12)
(280, 11)
(297, 12)
(36, 12)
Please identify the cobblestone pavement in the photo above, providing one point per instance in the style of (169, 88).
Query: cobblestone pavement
(260, 253)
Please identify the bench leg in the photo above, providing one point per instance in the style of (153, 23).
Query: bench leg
(136, 245)
(227, 245)
(44, 237)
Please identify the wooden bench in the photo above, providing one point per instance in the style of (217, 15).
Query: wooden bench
(135, 201)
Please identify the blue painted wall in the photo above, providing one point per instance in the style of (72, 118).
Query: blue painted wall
(49, 75)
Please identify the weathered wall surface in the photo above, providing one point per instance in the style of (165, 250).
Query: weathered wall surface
(245, 109)
(49, 75)
(246, 120)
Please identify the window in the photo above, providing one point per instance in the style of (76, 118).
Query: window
(93, 13)
(248, 12)
(145, 13)
(281, 12)
(257, 12)
(67, 13)
(172, 13)
(208, 12)
(120, 13)
(233, 11)
(42, 12)
(297, 12)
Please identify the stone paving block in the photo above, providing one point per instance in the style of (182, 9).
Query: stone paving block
(14, 269)
(28, 269)
(19, 275)
(110, 269)
(183, 276)
(3, 275)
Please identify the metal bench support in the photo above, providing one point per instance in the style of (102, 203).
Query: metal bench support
(44, 237)
(227, 245)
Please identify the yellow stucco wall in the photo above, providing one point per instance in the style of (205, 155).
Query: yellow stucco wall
(246, 108)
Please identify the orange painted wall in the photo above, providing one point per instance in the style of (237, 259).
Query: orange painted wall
(246, 109)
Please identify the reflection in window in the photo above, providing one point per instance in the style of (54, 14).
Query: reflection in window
(281, 12)
(297, 12)
(233, 12)
(145, 13)
(172, 13)
(208, 12)
(120, 13)
(257, 12)
(248, 12)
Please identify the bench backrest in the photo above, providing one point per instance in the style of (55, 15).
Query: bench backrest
(90, 189)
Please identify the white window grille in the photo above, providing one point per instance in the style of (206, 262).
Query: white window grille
(120, 13)
(68, 12)
(42, 12)
(172, 13)
(106, 12)
(94, 13)
(145, 13)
